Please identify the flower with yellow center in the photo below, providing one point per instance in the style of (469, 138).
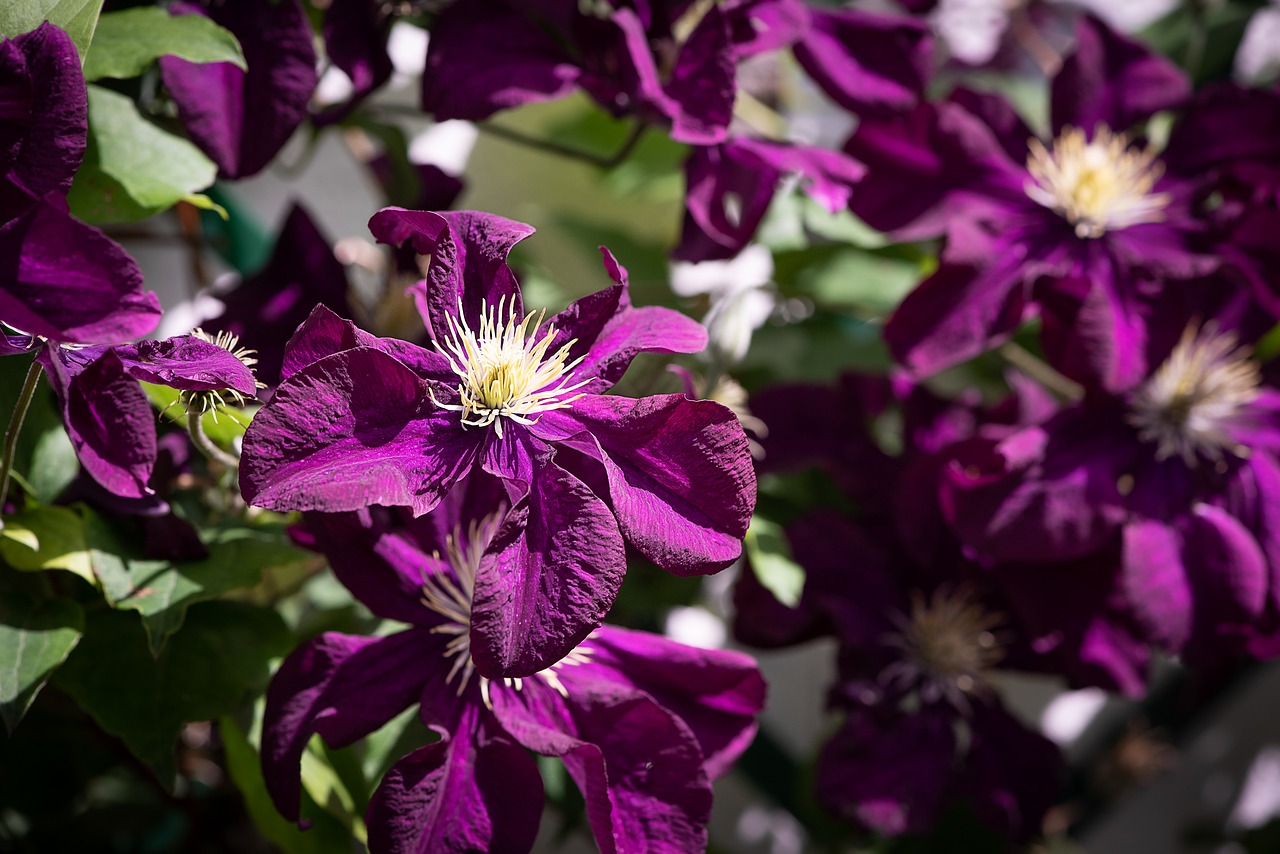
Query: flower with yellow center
(1187, 406)
(1097, 185)
(504, 369)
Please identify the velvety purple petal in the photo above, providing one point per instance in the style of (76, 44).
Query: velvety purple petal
(607, 332)
(355, 38)
(109, 421)
(349, 430)
(679, 473)
(956, 314)
(1012, 775)
(342, 687)
(266, 307)
(866, 61)
(1222, 124)
(186, 362)
(242, 119)
(1228, 570)
(1114, 80)
(323, 333)
(549, 578)
(702, 82)
(69, 282)
(760, 26)
(1155, 582)
(639, 768)
(893, 775)
(464, 793)
(1094, 332)
(43, 114)
(717, 693)
(485, 57)
(468, 251)
(761, 621)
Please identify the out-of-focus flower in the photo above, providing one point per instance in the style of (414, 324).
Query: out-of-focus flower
(642, 723)
(740, 296)
(360, 420)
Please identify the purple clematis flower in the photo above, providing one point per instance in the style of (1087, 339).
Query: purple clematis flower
(1178, 474)
(242, 119)
(641, 723)
(359, 420)
(730, 187)
(106, 413)
(269, 305)
(355, 37)
(43, 118)
(674, 63)
(1089, 210)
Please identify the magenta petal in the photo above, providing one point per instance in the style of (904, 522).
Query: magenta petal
(549, 577)
(956, 314)
(323, 333)
(716, 692)
(1114, 80)
(1155, 583)
(866, 61)
(1094, 333)
(353, 429)
(186, 362)
(109, 420)
(702, 82)
(342, 687)
(680, 476)
(69, 282)
(1229, 570)
(639, 768)
(459, 794)
(242, 119)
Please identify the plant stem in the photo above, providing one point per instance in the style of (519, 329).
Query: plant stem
(604, 162)
(195, 427)
(15, 427)
(1040, 371)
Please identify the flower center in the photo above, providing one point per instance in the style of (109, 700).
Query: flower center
(1188, 405)
(213, 401)
(504, 369)
(1097, 185)
(947, 644)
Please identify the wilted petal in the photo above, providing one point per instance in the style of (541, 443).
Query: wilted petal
(467, 792)
(349, 430)
(342, 687)
(69, 282)
(866, 61)
(679, 474)
(241, 120)
(1113, 80)
(639, 768)
(549, 578)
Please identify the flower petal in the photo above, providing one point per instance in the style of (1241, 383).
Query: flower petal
(186, 362)
(353, 429)
(1155, 582)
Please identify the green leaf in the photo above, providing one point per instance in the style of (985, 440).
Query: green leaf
(41, 464)
(163, 590)
(220, 656)
(35, 637)
(870, 283)
(129, 41)
(132, 169)
(771, 561)
(222, 426)
(53, 465)
(46, 538)
(77, 17)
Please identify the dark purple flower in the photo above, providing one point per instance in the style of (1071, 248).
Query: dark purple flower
(731, 186)
(1090, 209)
(1178, 474)
(265, 309)
(671, 62)
(241, 119)
(355, 37)
(641, 723)
(360, 420)
(106, 413)
(43, 118)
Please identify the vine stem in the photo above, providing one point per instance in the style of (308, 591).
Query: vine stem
(604, 162)
(15, 427)
(1064, 387)
(195, 427)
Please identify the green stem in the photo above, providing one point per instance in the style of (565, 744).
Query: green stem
(195, 427)
(1064, 387)
(604, 162)
(15, 427)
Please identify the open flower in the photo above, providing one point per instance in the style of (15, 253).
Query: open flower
(359, 420)
(641, 723)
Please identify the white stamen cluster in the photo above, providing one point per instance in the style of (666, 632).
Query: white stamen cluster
(948, 644)
(1097, 185)
(504, 368)
(1188, 404)
(452, 598)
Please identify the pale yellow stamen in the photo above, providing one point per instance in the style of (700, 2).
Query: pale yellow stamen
(1097, 185)
(1187, 406)
(504, 369)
